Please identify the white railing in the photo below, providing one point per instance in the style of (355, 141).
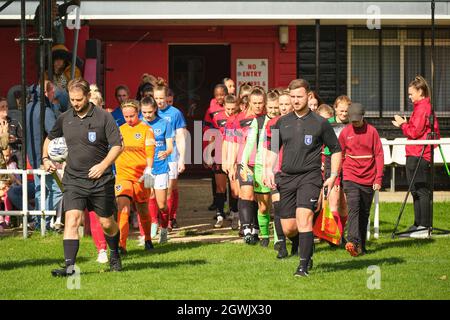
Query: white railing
(398, 156)
(25, 212)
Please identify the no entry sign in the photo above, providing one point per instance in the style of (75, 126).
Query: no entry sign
(254, 71)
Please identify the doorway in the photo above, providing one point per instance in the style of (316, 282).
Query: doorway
(194, 70)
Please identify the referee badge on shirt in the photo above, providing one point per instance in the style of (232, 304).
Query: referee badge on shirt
(308, 139)
(92, 136)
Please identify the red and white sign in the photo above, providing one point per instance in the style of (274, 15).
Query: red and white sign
(254, 71)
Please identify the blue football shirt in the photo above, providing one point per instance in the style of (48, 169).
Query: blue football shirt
(162, 131)
(176, 120)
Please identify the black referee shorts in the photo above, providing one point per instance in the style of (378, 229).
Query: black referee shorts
(101, 199)
(299, 191)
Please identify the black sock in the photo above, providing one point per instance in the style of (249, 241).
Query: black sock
(70, 251)
(220, 202)
(277, 222)
(295, 242)
(254, 222)
(113, 242)
(234, 204)
(306, 240)
(245, 211)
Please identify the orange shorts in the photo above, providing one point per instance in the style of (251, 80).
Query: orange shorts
(134, 190)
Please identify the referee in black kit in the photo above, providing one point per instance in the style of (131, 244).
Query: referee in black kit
(94, 142)
(302, 134)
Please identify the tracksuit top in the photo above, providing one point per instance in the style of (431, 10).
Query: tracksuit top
(418, 128)
(362, 141)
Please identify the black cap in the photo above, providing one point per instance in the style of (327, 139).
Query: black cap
(356, 112)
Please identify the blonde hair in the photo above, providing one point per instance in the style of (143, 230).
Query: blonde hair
(161, 85)
(342, 98)
(131, 103)
(273, 95)
(148, 78)
(245, 89)
(96, 96)
(325, 108)
(419, 83)
(258, 91)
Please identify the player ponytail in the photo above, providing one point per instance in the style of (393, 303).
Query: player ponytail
(419, 83)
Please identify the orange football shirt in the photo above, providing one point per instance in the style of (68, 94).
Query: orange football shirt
(139, 144)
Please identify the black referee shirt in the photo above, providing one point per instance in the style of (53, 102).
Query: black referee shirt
(302, 140)
(88, 140)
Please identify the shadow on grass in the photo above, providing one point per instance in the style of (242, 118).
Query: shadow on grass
(400, 243)
(175, 246)
(164, 248)
(150, 265)
(17, 264)
(358, 263)
(374, 246)
(162, 265)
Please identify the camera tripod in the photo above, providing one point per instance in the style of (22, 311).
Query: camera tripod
(431, 136)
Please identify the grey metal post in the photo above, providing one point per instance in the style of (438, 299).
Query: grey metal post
(42, 68)
(317, 86)
(25, 202)
(43, 202)
(75, 45)
(23, 27)
(393, 179)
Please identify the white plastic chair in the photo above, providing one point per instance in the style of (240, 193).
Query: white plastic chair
(386, 151)
(445, 150)
(398, 152)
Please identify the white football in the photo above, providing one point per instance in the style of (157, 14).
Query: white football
(57, 150)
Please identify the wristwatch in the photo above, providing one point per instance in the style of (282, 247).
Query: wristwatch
(333, 174)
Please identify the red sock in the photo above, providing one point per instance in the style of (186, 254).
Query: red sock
(164, 218)
(141, 230)
(146, 225)
(97, 232)
(153, 210)
(173, 212)
(170, 205)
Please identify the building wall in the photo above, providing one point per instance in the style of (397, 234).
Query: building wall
(134, 44)
(10, 62)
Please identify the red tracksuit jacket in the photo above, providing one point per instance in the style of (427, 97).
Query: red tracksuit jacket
(362, 141)
(418, 128)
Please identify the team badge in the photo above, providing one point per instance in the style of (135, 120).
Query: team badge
(308, 139)
(92, 136)
(137, 136)
(118, 187)
(158, 132)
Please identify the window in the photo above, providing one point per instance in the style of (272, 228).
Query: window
(404, 54)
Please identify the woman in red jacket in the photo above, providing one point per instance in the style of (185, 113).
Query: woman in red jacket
(417, 128)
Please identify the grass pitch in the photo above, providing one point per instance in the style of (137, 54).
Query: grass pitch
(408, 269)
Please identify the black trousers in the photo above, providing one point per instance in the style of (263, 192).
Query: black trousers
(359, 201)
(420, 190)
